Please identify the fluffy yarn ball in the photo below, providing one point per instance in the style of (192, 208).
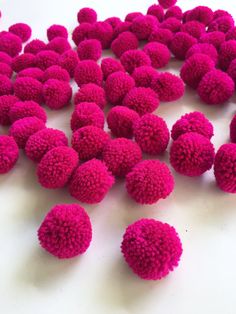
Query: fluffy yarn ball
(149, 181)
(89, 49)
(132, 59)
(171, 24)
(91, 182)
(87, 15)
(81, 33)
(143, 25)
(161, 35)
(9, 153)
(23, 61)
(141, 99)
(5, 69)
(193, 28)
(87, 113)
(59, 45)
(57, 94)
(168, 86)
(125, 41)
(181, 43)
(233, 129)
(192, 154)
(56, 167)
(214, 38)
(68, 61)
(35, 46)
(201, 14)
(144, 75)
(35, 73)
(109, 66)
(158, 53)
(203, 48)
(21, 30)
(222, 24)
(151, 248)
(43, 141)
(103, 32)
(174, 11)
(157, 11)
(6, 86)
(10, 44)
(89, 142)
(56, 72)
(152, 134)
(224, 168)
(6, 102)
(56, 30)
(66, 231)
(91, 93)
(22, 129)
(216, 87)
(5, 58)
(121, 121)
(88, 71)
(121, 155)
(29, 108)
(45, 59)
(192, 122)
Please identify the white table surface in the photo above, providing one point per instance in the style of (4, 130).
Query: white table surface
(34, 282)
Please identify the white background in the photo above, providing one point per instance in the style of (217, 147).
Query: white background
(32, 281)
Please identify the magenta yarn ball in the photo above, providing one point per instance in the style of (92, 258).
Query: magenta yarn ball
(231, 34)
(151, 248)
(23, 61)
(87, 113)
(5, 58)
(149, 181)
(132, 15)
(89, 142)
(181, 43)
(103, 32)
(203, 48)
(233, 129)
(56, 72)
(227, 54)
(35, 46)
(43, 141)
(89, 49)
(57, 94)
(109, 66)
(157, 11)
(193, 28)
(216, 87)
(6, 86)
(192, 154)
(91, 93)
(222, 24)
(6, 102)
(132, 59)
(158, 53)
(194, 68)
(81, 32)
(125, 41)
(114, 21)
(224, 168)
(192, 122)
(91, 182)
(59, 45)
(151, 134)
(68, 61)
(88, 71)
(9, 153)
(167, 3)
(121, 155)
(121, 28)
(10, 44)
(45, 59)
(87, 15)
(168, 86)
(23, 128)
(56, 30)
(117, 85)
(28, 108)
(142, 100)
(161, 35)
(121, 121)
(144, 75)
(5, 69)
(174, 11)
(34, 73)
(142, 26)
(56, 167)
(214, 38)
(220, 13)
(21, 30)
(201, 14)
(28, 88)
(66, 231)
(173, 24)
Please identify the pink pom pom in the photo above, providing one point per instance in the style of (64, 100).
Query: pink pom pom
(167, 3)
(23, 61)
(151, 248)
(9, 153)
(121, 28)
(21, 30)
(121, 120)
(201, 14)
(216, 87)
(142, 26)
(56, 72)
(193, 28)
(22, 129)
(206, 49)
(117, 85)
(87, 113)
(192, 122)
(169, 87)
(5, 69)
(152, 134)
(181, 43)
(227, 54)
(144, 75)
(174, 11)
(59, 45)
(56, 167)
(45, 59)
(5, 58)
(142, 100)
(121, 155)
(34, 73)
(158, 53)
(88, 71)
(132, 15)
(195, 68)
(157, 11)
(125, 41)
(66, 231)
(87, 15)
(91, 93)
(103, 32)
(109, 66)
(161, 35)
(133, 59)
(28, 88)
(43, 141)
(113, 21)
(68, 61)
(91, 182)
(149, 181)
(6, 87)
(10, 44)
(6, 102)
(222, 24)
(192, 154)
(35, 46)
(224, 168)
(57, 94)
(172, 24)
(214, 38)
(89, 142)
(233, 129)
(23, 109)
(89, 49)
(220, 13)
(57, 31)
(81, 32)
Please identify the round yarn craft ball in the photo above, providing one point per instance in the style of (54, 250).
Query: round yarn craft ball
(149, 181)
(66, 231)
(21, 30)
(6, 86)
(35, 46)
(9, 153)
(88, 71)
(6, 102)
(28, 88)
(151, 248)
(57, 94)
(192, 154)
(109, 66)
(224, 168)
(91, 93)
(56, 30)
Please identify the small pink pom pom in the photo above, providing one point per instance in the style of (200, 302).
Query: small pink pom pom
(5, 58)
(6, 87)
(23, 109)
(142, 26)
(57, 94)
(132, 15)
(206, 49)
(158, 53)
(23, 61)
(109, 66)
(173, 24)
(91, 93)
(181, 43)
(132, 59)
(222, 24)
(88, 71)
(35, 73)
(45, 59)
(56, 72)
(81, 32)
(193, 28)
(167, 3)
(144, 75)
(151, 248)
(56, 30)
(214, 38)
(59, 45)
(161, 35)
(157, 11)
(227, 54)
(149, 181)
(89, 49)
(174, 11)
(201, 14)
(68, 61)
(66, 231)
(103, 32)
(125, 41)
(21, 30)
(6, 70)
(10, 44)
(6, 102)
(35, 46)
(87, 15)
(28, 88)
